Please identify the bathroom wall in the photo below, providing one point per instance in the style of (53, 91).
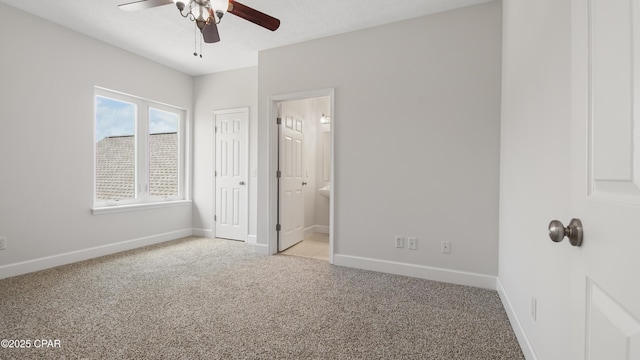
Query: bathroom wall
(323, 106)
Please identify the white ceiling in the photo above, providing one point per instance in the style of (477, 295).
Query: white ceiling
(162, 35)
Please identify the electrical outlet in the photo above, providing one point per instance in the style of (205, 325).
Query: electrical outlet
(445, 247)
(412, 243)
(534, 308)
(399, 241)
(3, 242)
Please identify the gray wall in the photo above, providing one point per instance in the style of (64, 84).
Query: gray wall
(417, 111)
(47, 79)
(224, 90)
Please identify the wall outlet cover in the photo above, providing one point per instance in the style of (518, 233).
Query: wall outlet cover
(399, 240)
(534, 308)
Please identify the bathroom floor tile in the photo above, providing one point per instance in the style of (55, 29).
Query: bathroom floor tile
(315, 246)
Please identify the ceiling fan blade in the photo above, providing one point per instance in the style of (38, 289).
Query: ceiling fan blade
(133, 5)
(210, 33)
(253, 15)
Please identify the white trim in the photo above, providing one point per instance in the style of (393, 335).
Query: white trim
(252, 239)
(418, 271)
(262, 249)
(332, 179)
(323, 229)
(231, 110)
(136, 207)
(47, 262)
(521, 335)
(208, 233)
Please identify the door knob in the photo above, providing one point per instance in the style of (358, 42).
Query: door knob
(241, 182)
(574, 232)
(304, 183)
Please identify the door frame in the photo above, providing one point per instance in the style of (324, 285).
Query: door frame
(215, 178)
(274, 100)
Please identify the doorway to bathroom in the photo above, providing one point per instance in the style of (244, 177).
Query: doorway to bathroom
(304, 166)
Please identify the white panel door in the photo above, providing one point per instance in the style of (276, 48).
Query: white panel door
(606, 178)
(231, 215)
(291, 179)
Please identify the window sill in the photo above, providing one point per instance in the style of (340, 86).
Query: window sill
(137, 207)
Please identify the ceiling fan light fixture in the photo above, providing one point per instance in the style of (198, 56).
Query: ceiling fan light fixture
(201, 24)
(180, 4)
(219, 7)
(219, 4)
(203, 14)
(208, 13)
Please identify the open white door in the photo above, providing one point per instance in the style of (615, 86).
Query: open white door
(231, 216)
(291, 200)
(605, 173)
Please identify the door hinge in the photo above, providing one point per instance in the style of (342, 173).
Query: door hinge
(215, 218)
(278, 174)
(215, 129)
(279, 121)
(278, 227)
(215, 173)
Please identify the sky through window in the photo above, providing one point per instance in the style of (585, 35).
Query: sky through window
(118, 118)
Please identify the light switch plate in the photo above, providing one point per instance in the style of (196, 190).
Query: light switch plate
(399, 241)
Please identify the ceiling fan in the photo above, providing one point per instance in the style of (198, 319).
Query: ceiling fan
(208, 13)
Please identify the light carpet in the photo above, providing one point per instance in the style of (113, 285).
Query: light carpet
(199, 298)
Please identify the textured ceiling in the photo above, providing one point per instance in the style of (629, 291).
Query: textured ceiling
(162, 35)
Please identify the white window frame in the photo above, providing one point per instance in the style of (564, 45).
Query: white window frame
(142, 199)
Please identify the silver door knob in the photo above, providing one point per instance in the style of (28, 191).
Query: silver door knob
(241, 182)
(304, 183)
(574, 232)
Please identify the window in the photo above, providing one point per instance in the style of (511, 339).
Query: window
(139, 150)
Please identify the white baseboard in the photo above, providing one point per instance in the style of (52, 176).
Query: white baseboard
(47, 262)
(262, 249)
(323, 229)
(208, 233)
(419, 271)
(521, 335)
